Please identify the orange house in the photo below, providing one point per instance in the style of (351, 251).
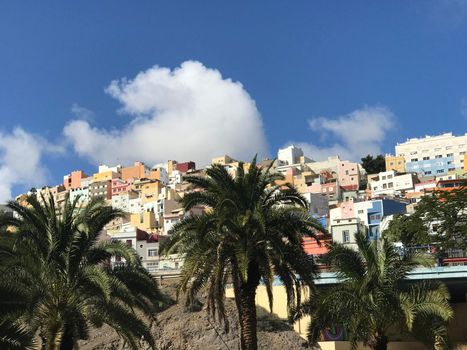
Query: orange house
(137, 171)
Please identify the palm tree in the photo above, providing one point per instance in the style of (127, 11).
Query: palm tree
(251, 232)
(373, 297)
(15, 337)
(57, 279)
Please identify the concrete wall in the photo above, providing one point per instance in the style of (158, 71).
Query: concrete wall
(457, 328)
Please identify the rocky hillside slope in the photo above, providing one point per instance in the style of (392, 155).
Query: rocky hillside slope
(178, 329)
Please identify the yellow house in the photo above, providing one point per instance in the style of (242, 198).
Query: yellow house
(396, 163)
(105, 176)
(145, 221)
(150, 191)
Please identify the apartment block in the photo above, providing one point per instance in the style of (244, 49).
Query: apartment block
(101, 189)
(433, 155)
(391, 183)
(369, 214)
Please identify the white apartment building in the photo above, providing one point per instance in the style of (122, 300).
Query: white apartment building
(289, 155)
(104, 168)
(390, 183)
(434, 155)
(82, 192)
(135, 206)
(122, 202)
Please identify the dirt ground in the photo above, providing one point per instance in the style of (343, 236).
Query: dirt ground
(178, 329)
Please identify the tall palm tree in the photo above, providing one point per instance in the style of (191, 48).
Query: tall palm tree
(251, 232)
(374, 298)
(57, 280)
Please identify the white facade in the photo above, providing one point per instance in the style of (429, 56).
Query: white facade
(390, 183)
(175, 178)
(122, 202)
(289, 155)
(164, 175)
(82, 192)
(86, 181)
(104, 168)
(135, 206)
(432, 147)
(344, 231)
(331, 164)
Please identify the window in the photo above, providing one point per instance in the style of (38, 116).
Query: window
(426, 158)
(413, 152)
(440, 171)
(438, 149)
(375, 217)
(438, 156)
(385, 186)
(449, 154)
(128, 242)
(389, 176)
(448, 147)
(152, 266)
(451, 169)
(427, 172)
(391, 163)
(461, 153)
(152, 252)
(345, 236)
(360, 211)
(390, 185)
(414, 160)
(383, 177)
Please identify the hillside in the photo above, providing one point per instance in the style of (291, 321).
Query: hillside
(178, 329)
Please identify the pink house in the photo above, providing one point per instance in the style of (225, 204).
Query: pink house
(348, 175)
(120, 186)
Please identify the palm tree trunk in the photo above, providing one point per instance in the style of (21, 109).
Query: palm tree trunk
(247, 318)
(53, 338)
(381, 343)
(67, 340)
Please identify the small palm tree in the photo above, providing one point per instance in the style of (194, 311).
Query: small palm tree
(251, 232)
(57, 280)
(15, 337)
(374, 298)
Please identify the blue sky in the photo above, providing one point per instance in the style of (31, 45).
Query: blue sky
(332, 76)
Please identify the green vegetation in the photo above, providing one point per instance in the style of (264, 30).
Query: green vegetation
(57, 280)
(251, 233)
(374, 165)
(444, 212)
(373, 300)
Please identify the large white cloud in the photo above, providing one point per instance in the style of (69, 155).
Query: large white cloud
(356, 134)
(21, 156)
(189, 113)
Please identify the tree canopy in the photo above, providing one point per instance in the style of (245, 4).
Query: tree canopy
(251, 232)
(374, 165)
(440, 219)
(57, 280)
(373, 298)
